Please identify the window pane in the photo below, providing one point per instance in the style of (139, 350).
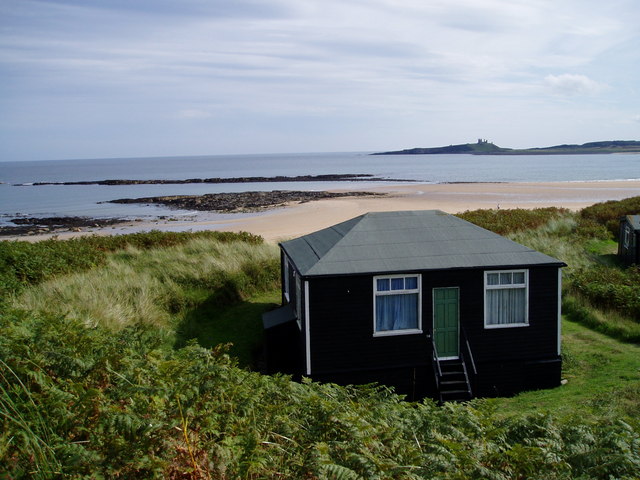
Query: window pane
(397, 284)
(493, 279)
(518, 278)
(506, 306)
(397, 312)
(382, 284)
(411, 283)
(505, 278)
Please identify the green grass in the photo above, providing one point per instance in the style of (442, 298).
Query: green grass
(239, 324)
(611, 323)
(23, 264)
(603, 380)
(157, 286)
(206, 287)
(36, 432)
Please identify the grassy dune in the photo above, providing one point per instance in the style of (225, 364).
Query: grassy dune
(156, 286)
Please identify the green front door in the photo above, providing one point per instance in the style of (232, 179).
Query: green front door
(445, 321)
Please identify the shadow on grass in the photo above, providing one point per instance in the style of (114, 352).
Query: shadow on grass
(228, 319)
(610, 260)
(605, 252)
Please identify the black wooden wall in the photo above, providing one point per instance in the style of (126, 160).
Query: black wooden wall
(631, 253)
(344, 350)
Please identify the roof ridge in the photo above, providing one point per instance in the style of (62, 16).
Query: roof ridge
(307, 239)
(356, 221)
(317, 254)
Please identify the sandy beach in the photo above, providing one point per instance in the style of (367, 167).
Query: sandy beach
(299, 219)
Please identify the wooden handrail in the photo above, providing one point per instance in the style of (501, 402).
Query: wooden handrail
(466, 343)
(469, 354)
(437, 371)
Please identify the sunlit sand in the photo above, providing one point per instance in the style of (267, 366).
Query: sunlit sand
(299, 219)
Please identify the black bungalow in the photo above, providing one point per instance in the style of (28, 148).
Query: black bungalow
(422, 301)
(629, 241)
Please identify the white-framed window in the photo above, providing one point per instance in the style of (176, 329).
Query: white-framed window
(506, 298)
(396, 305)
(627, 236)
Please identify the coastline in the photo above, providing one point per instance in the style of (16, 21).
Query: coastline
(298, 219)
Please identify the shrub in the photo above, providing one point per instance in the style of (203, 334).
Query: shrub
(610, 288)
(513, 220)
(590, 229)
(608, 213)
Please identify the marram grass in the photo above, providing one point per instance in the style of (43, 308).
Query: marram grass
(151, 286)
(24, 264)
(559, 238)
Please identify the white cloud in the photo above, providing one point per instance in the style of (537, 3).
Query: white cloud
(570, 84)
(401, 63)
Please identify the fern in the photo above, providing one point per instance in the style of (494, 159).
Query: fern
(338, 472)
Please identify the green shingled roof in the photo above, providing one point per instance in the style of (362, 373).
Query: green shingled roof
(381, 242)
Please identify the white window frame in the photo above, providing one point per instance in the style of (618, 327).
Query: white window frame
(299, 293)
(627, 236)
(286, 278)
(307, 324)
(559, 311)
(524, 286)
(418, 290)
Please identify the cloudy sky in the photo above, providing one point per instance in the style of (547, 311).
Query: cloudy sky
(123, 78)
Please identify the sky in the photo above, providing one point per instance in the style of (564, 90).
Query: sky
(129, 78)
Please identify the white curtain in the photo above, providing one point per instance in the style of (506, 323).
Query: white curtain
(506, 306)
(396, 312)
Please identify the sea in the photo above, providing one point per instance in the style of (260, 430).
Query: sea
(19, 198)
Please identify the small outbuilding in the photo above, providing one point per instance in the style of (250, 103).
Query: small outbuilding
(629, 241)
(422, 301)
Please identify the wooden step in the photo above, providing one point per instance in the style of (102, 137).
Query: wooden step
(454, 382)
(455, 392)
(453, 377)
(455, 395)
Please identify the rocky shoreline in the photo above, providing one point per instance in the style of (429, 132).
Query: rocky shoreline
(240, 202)
(36, 226)
(347, 177)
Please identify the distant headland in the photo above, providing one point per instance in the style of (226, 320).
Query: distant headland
(484, 147)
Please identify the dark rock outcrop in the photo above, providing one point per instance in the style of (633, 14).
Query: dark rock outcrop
(35, 225)
(239, 202)
(343, 177)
